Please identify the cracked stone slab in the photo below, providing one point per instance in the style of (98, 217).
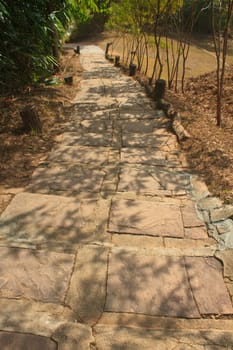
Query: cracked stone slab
(149, 157)
(143, 126)
(87, 292)
(40, 218)
(156, 139)
(100, 101)
(70, 179)
(68, 336)
(134, 156)
(94, 126)
(89, 110)
(128, 114)
(38, 275)
(150, 285)
(206, 280)
(86, 139)
(137, 126)
(196, 233)
(191, 217)
(87, 118)
(151, 180)
(192, 246)
(140, 181)
(79, 154)
(124, 87)
(24, 316)
(146, 218)
(12, 341)
(110, 337)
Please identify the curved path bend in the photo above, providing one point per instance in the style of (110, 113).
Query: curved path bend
(107, 248)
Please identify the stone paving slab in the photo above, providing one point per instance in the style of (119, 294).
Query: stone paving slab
(151, 180)
(148, 157)
(71, 179)
(40, 218)
(155, 140)
(125, 114)
(50, 334)
(13, 341)
(140, 181)
(146, 322)
(136, 126)
(146, 242)
(180, 248)
(126, 338)
(130, 112)
(140, 156)
(24, 316)
(87, 292)
(142, 126)
(123, 87)
(38, 275)
(191, 217)
(166, 285)
(86, 118)
(101, 102)
(86, 139)
(211, 295)
(149, 285)
(146, 218)
(196, 233)
(79, 154)
(94, 126)
(88, 109)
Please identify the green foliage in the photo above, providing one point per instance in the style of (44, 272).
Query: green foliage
(31, 35)
(136, 16)
(90, 19)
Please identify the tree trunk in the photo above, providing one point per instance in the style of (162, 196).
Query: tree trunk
(31, 120)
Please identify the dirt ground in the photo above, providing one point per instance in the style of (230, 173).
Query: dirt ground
(20, 153)
(209, 151)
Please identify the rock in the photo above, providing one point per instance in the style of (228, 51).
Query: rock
(225, 226)
(209, 203)
(71, 336)
(200, 190)
(226, 256)
(221, 213)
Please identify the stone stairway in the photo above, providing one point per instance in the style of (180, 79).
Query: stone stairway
(107, 248)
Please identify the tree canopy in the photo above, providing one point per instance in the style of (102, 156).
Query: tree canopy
(31, 34)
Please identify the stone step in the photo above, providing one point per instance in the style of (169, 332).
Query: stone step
(116, 337)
